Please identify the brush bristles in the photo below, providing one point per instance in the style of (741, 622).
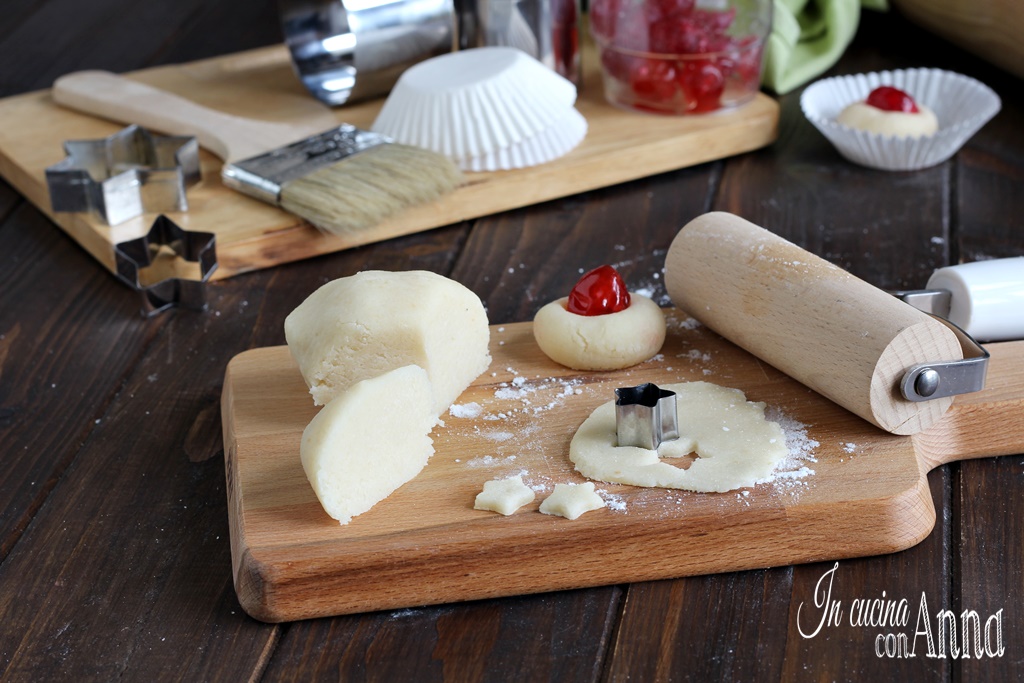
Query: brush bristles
(364, 189)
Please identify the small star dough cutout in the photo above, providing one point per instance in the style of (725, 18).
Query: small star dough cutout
(504, 496)
(572, 500)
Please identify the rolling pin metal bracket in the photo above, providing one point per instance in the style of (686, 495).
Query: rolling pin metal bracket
(985, 298)
(927, 381)
(936, 302)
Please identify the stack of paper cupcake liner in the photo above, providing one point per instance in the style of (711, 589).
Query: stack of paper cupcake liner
(488, 109)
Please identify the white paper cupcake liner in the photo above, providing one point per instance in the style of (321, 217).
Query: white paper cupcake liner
(557, 140)
(474, 102)
(961, 104)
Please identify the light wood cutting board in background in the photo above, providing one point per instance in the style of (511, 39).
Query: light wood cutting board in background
(425, 544)
(619, 146)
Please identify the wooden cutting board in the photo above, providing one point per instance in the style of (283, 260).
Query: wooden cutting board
(425, 544)
(619, 146)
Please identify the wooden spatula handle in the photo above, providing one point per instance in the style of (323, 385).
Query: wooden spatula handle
(839, 335)
(126, 101)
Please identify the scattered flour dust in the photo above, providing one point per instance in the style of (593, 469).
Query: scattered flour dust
(467, 410)
(554, 391)
(490, 461)
(676, 321)
(497, 436)
(520, 399)
(790, 475)
(850, 449)
(613, 501)
(507, 427)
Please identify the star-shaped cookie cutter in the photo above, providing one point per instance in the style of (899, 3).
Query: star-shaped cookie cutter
(645, 415)
(130, 173)
(132, 257)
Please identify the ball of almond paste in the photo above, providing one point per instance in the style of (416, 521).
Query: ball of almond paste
(863, 116)
(369, 440)
(600, 342)
(361, 326)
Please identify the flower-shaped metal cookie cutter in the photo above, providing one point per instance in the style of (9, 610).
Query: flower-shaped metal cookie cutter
(130, 173)
(135, 258)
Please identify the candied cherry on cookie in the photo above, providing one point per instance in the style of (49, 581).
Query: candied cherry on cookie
(600, 325)
(888, 98)
(599, 292)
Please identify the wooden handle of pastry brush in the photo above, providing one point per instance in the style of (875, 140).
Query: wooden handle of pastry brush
(835, 333)
(120, 99)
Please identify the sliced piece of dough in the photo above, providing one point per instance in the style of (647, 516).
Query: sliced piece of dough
(361, 326)
(736, 445)
(600, 342)
(369, 440)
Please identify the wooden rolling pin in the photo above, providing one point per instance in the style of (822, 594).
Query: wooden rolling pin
(835, 333)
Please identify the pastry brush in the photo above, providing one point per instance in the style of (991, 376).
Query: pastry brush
(341, 180)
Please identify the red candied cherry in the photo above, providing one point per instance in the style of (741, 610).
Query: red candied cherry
(662, 37)
(744, 60)
(598, 292)
(631, 32)
(603, 14)
(888, 98)
(566, 44)
(714, 22)
(656, 9)
(703, 83)
(617, 64)
(689, 37)
(653, 80)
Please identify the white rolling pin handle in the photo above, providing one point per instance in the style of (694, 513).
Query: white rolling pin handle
(987, 297)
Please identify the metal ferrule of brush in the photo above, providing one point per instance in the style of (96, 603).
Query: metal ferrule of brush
(264, 175)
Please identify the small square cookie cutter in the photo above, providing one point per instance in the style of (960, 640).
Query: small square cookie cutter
(132, 257)
(645, 416)
(125, 175)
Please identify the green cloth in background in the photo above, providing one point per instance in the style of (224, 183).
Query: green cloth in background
(808, 37)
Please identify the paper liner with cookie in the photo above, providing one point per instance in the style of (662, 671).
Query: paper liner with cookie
(901, 120)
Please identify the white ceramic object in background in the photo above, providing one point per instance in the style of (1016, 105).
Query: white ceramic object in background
(961, 104)
(987, 297)
(558, 139)
(475, 102)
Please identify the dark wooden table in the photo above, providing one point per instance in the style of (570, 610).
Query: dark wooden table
(114, 558)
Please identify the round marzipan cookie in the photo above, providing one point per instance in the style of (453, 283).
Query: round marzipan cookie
(600, 342)
(863, 116)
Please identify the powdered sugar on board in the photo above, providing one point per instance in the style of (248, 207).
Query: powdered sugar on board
(512, 424)
(507, 430)
(466, 410)
(797, 466)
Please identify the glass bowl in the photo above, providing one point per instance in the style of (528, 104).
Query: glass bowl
(680, 56)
